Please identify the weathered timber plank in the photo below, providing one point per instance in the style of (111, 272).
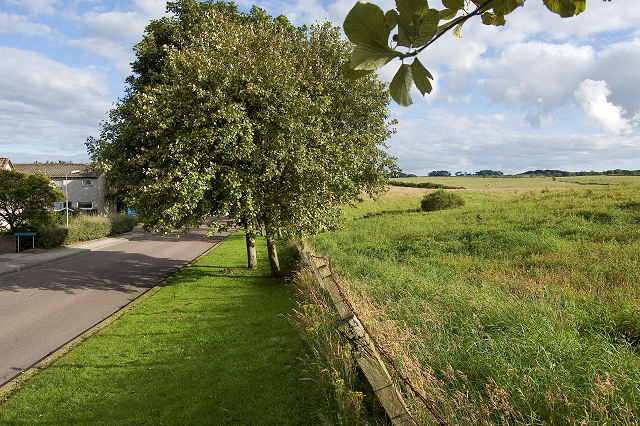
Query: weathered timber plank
(375, 370)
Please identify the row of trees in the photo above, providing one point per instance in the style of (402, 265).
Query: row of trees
(248, 116)
(245, 116)
(537, 172)
(563, 173)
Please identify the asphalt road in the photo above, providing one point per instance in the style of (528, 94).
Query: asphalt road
(44, 307)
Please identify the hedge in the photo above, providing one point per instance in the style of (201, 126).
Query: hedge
(426, 185)
(84, 228)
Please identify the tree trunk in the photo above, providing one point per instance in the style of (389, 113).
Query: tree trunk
(279, 233)
(273, 253)
(252, 260)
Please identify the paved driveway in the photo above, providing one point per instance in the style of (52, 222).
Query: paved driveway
(44, 307)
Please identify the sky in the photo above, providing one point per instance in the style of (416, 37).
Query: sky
(541, 92)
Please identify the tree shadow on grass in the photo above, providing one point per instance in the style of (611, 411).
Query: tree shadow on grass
(222, 352)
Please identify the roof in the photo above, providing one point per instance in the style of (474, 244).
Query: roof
(59, 170)
(4, 162)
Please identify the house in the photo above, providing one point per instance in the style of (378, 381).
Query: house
(85, 187)
(5, 164)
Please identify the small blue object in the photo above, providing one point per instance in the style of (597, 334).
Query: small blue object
(131, 212)
(24, 234)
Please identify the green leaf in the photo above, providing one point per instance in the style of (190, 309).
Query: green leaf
(453, 4)
(447, 14)
(411, 7)
(490, 18)
(566, 8)
(400, 85)
(411, 13)
(366, 22)
(391, 19)
(428, 27)
(351, 74)
(505, 7)
(457, 31)
(371, 56)
(421, 77)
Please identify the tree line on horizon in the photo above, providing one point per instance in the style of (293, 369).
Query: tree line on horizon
(532, 173)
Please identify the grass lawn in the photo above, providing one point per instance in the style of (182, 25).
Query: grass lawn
(213, 346)
(519, 308)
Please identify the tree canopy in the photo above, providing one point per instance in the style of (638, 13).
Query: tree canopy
(247, 116)
(416, 26)
(26, 200)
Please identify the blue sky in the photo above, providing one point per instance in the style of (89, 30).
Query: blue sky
(541, 92)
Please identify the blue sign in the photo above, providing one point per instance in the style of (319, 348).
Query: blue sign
(131, 212)
(24, 234)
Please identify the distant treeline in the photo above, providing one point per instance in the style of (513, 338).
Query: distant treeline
(562, 173)
(427, 185)
(539, 173)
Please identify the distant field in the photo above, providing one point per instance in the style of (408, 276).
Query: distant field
(525, 182)
(520, 307)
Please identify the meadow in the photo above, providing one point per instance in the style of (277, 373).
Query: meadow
(521, 307)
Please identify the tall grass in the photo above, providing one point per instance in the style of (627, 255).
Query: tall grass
(517, 308)
(347, 399)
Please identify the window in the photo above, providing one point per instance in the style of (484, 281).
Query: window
(85, 205)
(87, 182)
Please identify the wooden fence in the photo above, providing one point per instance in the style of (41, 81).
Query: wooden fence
(362, 345)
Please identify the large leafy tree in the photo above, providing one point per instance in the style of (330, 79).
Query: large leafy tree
(246, 116)
(404, 32)
(26, 200)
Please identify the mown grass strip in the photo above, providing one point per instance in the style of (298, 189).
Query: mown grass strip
(214, 346)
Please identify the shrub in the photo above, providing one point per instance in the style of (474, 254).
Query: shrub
(84, 228)
(440, 200)
(50, 237)
(121, 223)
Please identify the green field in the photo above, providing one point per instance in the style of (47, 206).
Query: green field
(507, 183)
(520, 307)
(212, 346)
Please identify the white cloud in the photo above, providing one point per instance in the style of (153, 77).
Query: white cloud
(46, 106)
(450, 140)
(18, 24)
(125, 26)
(591, 97)
(618, 64)
(536, 74)
(37, 7)
(119, 54)
(112, 34)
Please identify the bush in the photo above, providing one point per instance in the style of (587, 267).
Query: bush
(440, 200)
(50, 237)
(121, 223)
(84, 228)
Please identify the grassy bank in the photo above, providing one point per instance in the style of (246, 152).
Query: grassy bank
(520, 307)
(213, 346)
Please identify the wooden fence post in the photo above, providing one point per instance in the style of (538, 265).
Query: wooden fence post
(363, 349)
